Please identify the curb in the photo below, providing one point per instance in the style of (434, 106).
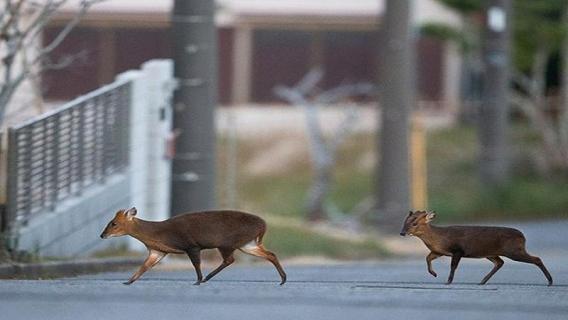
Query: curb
(57, 269)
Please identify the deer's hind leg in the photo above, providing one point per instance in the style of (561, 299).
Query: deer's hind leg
(228, 259)
(256, 249)
(523, 256)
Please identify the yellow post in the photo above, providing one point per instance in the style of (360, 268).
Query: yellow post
(419, 175)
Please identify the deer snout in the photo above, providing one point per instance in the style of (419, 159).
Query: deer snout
(402, 234)
(103, 236)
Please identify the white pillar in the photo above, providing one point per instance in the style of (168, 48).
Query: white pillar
(159, 90)
(150, 124)
(138, 144)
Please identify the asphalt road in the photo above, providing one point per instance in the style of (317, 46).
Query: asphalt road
(399, 289)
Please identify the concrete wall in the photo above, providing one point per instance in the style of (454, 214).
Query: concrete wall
(73, 229)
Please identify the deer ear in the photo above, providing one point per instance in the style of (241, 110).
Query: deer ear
(130, 213)
(430, 216)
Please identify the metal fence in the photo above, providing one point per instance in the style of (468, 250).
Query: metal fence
(58, 155)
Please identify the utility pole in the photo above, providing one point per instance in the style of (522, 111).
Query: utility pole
(397, 99)
(195, 69)
(493, 114)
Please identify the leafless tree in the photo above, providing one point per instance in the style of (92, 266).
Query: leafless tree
(22, 56)
(323, 151)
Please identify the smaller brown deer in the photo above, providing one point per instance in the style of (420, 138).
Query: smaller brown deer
(190, 233)
(469, 242)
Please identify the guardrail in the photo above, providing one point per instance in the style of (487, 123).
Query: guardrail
(59, 154)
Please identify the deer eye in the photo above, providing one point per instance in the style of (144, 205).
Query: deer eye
(414, 224)
(112, 224)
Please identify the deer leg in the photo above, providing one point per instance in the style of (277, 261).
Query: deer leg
(153, 258)
(498, 263)
(454, 265)
(228, 259)
(527, 258)
(258, 250)
(431, 256)
(195, 257)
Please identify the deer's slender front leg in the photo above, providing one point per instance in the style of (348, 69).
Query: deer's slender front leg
(153, 258)
(431, 256)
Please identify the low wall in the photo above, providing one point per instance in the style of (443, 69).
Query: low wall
(74, 228)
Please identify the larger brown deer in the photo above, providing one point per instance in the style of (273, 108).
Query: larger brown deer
(469, 242)
(190, 233)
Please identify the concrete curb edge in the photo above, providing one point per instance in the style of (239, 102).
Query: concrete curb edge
(55, 269)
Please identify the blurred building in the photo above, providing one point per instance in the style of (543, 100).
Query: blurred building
(262, 43)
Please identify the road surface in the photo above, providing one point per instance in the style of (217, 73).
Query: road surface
(400, 289)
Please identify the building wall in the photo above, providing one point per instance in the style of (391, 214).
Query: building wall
(350, 56)
(284, 57)
(278, 57)
(102, 53)
(79, 78)
(430, 65)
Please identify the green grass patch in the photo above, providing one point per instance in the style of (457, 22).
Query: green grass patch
(456, 194)
(290, 241)
(281, 195)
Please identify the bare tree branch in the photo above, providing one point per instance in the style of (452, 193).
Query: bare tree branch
(21, 24)
(345, 91)
(315, 135)
(64, 61)
(84, 7)
(323, 151)
(13, 13)
(310, 81)
(6, 93)
(42, 18)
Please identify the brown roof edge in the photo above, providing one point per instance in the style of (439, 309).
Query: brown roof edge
(101, 19)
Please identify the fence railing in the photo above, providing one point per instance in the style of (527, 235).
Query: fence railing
(59, 154)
